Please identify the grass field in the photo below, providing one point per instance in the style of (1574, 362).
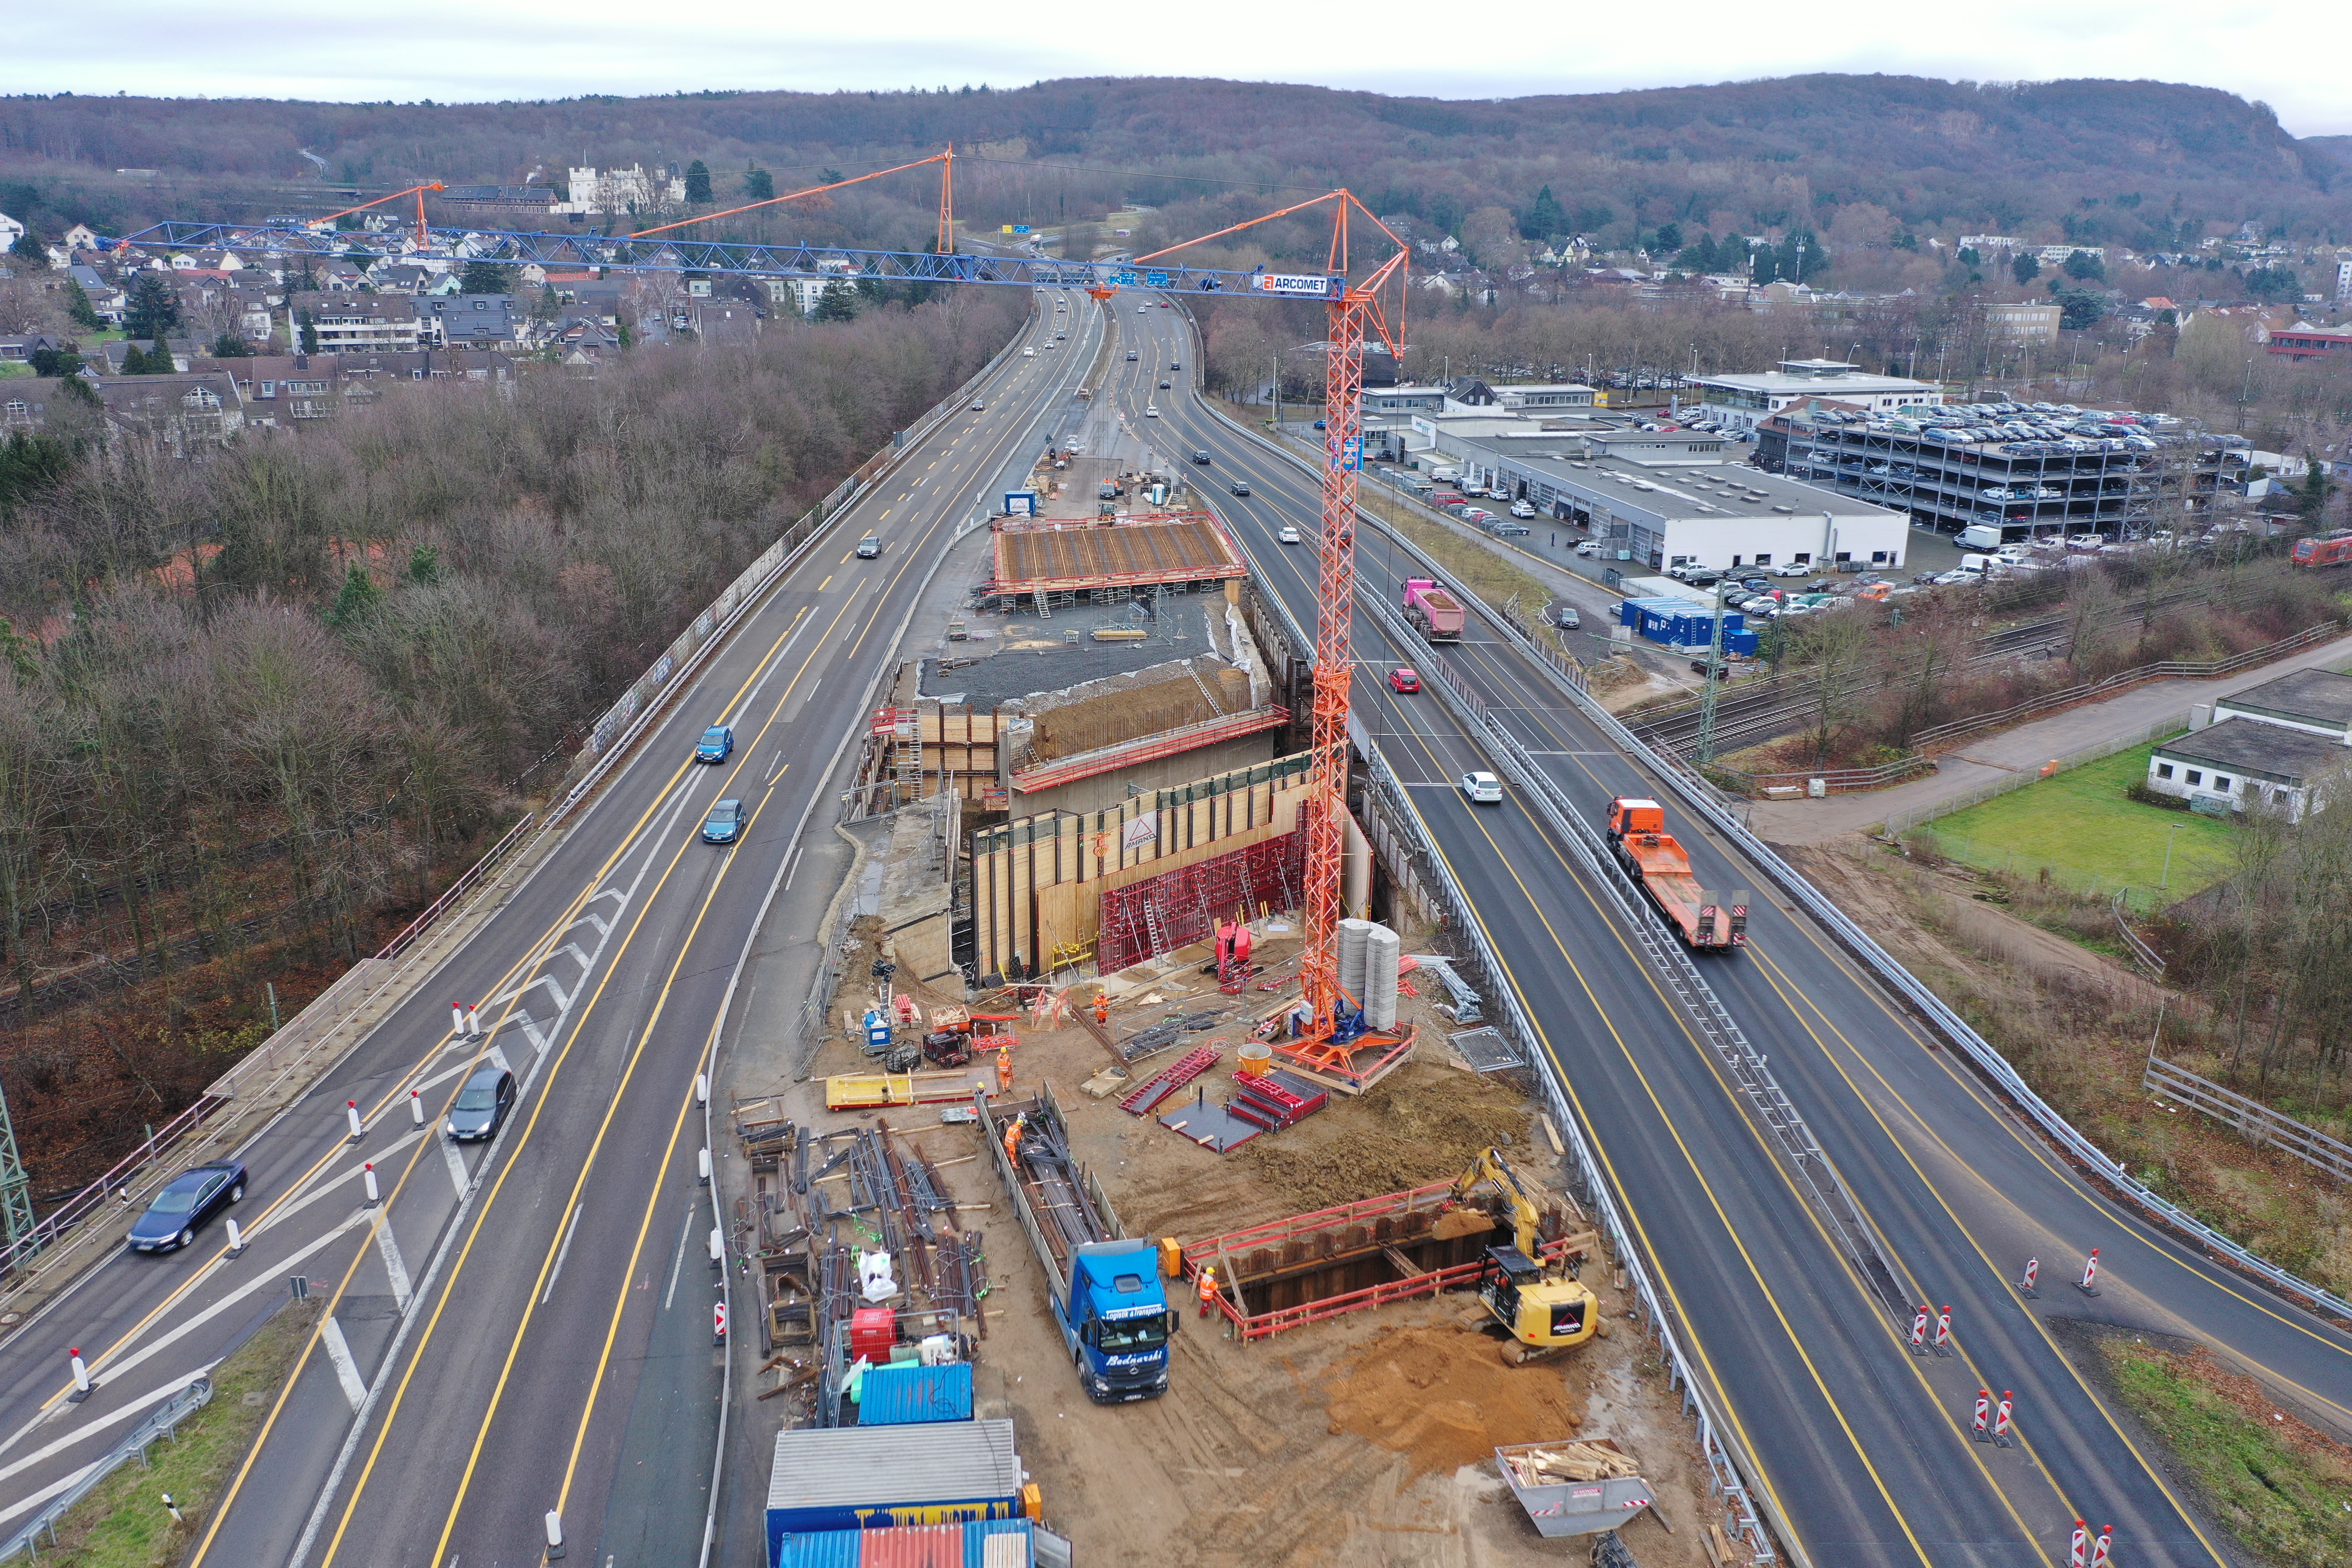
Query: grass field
(2277, 1485)
(122, 1523)
(2080, 826)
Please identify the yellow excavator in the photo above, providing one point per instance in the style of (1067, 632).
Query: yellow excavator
(1544, 1309)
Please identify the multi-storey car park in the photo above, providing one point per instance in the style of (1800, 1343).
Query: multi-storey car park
(2034, 471)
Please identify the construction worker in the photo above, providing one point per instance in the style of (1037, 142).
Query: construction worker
(1208, 1290)
(1102, 1007)
(1005, 1069)
(1013, 1137)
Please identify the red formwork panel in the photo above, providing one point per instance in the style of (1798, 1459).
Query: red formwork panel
(1185, 905)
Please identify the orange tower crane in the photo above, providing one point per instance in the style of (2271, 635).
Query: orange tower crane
(1356, 311)
(424, 235)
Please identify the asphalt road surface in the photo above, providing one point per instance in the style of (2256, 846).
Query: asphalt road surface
(527, 1326)
(1864, 1447)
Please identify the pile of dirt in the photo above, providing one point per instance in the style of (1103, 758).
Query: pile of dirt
(1422, 1124)
(1443, 1397)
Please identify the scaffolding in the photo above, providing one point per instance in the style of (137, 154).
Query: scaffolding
(1160, 914)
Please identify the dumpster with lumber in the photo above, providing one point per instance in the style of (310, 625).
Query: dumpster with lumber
(1573, 1486)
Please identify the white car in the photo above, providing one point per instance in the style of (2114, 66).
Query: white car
(1288, 535)
(1484, 789)
(1791, 569)
(1956, 575)
(1143, 310)
(1028, 353)
(1587, 547)
(1152, 411)
(1522, 508)
(977, 405)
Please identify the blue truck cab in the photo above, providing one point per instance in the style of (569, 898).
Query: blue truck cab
(1105, 1285)
(1115, 1320)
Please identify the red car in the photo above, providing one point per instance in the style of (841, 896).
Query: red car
(1404, 681)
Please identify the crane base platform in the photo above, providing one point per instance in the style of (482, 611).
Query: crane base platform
(1352, 1069)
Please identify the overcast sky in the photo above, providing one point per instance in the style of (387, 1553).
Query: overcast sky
(442, 49)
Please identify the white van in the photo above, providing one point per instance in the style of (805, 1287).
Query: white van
(1980, 536)
(1444, 476)
(1978, 565)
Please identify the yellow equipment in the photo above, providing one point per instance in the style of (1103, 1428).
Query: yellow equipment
(1544, 1312)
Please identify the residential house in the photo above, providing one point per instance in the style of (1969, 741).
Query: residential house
(585, 342)
(184, 413)
(728, 321)
(10, 231)
(79, 237)
(477, 321)
(20, 350)
(25, 404)
(287, 390)
(107, 358)
(340, 277)
(361, 322)
(2030, 320)
(391, 276)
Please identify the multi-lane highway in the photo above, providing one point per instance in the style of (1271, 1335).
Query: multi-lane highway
(1863, 1448)
(527, 1327)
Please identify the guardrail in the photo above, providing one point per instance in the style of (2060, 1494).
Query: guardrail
(158, 1424)
(2250, 1118)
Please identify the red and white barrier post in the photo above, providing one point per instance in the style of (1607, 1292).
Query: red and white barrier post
(2103, 1545)
(2033, 1269)
(1943, 1330)
(457, 1019)
(473, 1022)
(1981, 1428)
(351, 1110)
(2078, 1549)
(83, 1383)
(367, 1176)
(2088, 1285)
(719, 1323)
(2000, 1420)
(1919, 1331)
(416, 1106)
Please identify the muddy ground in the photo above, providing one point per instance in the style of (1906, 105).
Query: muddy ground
(1365, 1440)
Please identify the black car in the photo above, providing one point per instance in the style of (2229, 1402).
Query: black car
(185, 1203)
(1175, 364)
(1199, 457)
(1166, 384)
(1240, 487)
(482, 1105)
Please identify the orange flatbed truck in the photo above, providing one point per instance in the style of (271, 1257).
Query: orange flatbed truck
(1705, 920)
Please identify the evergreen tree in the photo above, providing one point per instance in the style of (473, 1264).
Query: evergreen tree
(837, 303)
(2311, 503)
(2084, 265)
(485, 278)
(1545, 218)
(1670, 239)
(307, 334)
(154, 306)
(698, 183)
(357, 600)
(78, 308)
(759, 185)
(2026, 267)
(424, 564)
(134, 361)
(228, 345)
(28, 248)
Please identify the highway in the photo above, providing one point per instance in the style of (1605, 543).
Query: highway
(528, 1326)
(1863, 1448)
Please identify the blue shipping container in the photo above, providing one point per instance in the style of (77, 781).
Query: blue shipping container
(900, 1395)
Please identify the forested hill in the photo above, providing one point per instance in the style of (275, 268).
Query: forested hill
(2095, 160)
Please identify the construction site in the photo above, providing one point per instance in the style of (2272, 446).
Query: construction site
(1147, 1148)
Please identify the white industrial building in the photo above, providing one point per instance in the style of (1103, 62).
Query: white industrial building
(1749, 400)
(1657, 499)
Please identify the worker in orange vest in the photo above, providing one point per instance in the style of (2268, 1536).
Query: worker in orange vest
(1208, 1290)
(1102, 1008)
(1004, 1068)
(1013, 1138)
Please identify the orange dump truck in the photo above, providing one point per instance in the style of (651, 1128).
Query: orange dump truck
(1705, 920)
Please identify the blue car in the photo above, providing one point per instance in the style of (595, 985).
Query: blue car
(717, 743)
(183, 1207)
(724, 823)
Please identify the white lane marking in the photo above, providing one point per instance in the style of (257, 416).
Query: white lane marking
(562, 998)
(573, 950)
(563, 1252)
(530, 1031)
(273, 1280)
(679, 1256)
(614, 894)
(585, 918)
(322, 1189)
(458, 1177)
(111, 1418)
(423, 1084)
(498, 1058)
(347, 1371)
(396, 1267)
(46, 1493)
